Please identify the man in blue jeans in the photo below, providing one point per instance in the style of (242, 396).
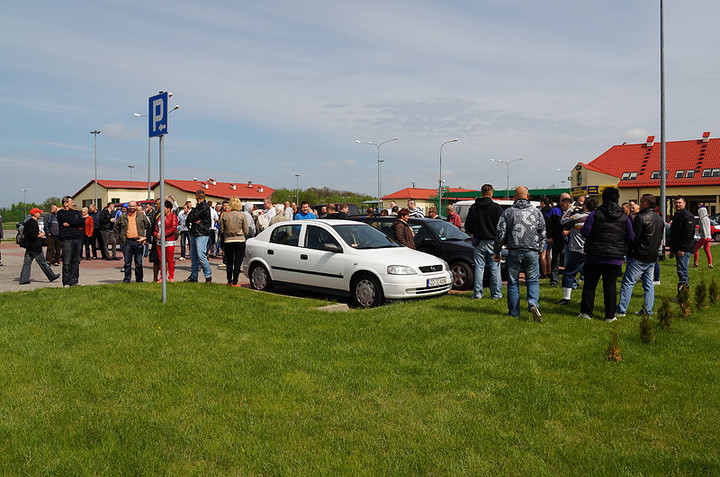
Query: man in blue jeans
(199, 222)
(481, 223)
(522, 229)
(131, 230)
(682, 240)
(642, 256)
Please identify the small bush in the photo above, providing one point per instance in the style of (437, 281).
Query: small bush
(647, 330)
(701, 293)
(665, 314)
(613, 349)
(683, 300)
(713, 291)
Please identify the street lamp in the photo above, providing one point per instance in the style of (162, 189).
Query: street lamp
(440, 177)
(24, 191)
(507, 163)
(379, 199)
(138, 115)
(569, 171)
(131, 167)
(297, 189)
(95, 133)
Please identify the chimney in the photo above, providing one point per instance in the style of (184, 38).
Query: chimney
(204, 185)
(249, 184)
(706, 136)
(233, 187)
(212, 181)
(260, 189)
(650, 141)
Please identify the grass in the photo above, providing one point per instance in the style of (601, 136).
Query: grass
(219, 381)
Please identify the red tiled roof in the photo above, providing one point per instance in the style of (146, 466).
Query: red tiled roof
(224, 189)
(116, 185)
(417, 193)
(679, 155)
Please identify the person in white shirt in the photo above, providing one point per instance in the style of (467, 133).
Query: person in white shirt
(183, 228)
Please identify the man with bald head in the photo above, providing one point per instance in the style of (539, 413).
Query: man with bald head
(521, 229)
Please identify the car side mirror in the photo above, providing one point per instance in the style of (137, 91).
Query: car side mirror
(332, 247)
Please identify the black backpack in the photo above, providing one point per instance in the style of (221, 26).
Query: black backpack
(20, 237)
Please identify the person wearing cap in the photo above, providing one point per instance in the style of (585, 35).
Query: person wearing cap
(33, 249)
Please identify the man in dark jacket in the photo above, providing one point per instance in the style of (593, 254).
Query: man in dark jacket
(107, 222)
(481, 223)
(648, 227)
(607, 230)
(555, 235)
(199, 222)
(72, 226)
(132, 230)
(33, 249)
(52, 235)
(97, 239)
(682, 240)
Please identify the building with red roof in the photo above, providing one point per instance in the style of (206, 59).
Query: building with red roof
(181, 190)
(692, 170)
(424, 198)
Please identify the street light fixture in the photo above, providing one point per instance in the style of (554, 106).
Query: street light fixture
(297, 189)
(131, 169)
(24, 191)
(95, 133)
(138, 115)
(440, 177)
(569, 178)
(379, 198)
(507, 163)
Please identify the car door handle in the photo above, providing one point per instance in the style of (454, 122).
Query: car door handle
(303, 256)
(271, 252)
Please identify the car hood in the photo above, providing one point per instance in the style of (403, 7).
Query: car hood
(397, 256)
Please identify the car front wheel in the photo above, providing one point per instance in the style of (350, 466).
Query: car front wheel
(716, 237)
(260, 278)
(366, 291)
(462, 276)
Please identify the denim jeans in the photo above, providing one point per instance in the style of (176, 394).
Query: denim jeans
(558, 248)
(133, 251)
(526, 261)
(682, 264)
(635, 269)
(71, 260)
(483, 254)
(36, 255)
(574, 262)
(198, 257)
(184, 242)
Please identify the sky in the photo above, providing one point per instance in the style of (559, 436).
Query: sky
(270, 89)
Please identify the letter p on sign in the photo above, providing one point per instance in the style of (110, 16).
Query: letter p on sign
(158, 114)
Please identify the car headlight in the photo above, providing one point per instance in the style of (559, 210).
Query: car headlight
(400, 270)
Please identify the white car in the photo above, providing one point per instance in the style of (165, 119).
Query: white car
(342, 257)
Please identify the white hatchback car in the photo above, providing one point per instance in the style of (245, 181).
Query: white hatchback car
(342, 257)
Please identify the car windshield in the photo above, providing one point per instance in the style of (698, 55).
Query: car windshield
(363, 236)
(446, 230)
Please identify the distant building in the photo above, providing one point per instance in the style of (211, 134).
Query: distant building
(692, 170)
(424, 198)
(182, 190)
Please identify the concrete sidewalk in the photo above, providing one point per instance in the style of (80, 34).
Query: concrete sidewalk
(92, 272)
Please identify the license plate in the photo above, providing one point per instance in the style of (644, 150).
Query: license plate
(436, 282)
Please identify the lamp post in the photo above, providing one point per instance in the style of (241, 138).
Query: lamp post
(24, 191)
(138, 115)
(507, 164)
(379, 198)
(297, 189)
(95, 133)
(131, 167)
(569, 171)
(440, 176)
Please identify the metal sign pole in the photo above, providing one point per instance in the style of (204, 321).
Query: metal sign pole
(163, 264)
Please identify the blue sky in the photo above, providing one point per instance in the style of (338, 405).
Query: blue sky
(272, 89)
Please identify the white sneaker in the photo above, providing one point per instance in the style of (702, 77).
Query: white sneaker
(609, 320)
(619, 315)
(222, 265)
(585, 315)
(535, 312)
(657, 283)
(181, 259)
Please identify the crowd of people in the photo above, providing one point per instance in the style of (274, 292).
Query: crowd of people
(590, 241)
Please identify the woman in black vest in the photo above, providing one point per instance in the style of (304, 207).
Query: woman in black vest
(607, 232)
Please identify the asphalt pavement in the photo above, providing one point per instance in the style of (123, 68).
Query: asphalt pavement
(92, 272)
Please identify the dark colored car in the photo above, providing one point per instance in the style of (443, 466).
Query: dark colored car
(441, 239)
(352, 208)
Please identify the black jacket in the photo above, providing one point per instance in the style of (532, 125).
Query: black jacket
(31, 231)
(607, 237)
(76, 224)
(105, 220)
(682, 232)
(201, 212)
(648, 227)
(482, 219)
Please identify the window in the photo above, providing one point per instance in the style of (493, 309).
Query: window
(689, 174)
(286, 235)
(707, 173)
(115, 200)
(630, 176)
(716, 172)
(655, 175)
(679, 174)
(625, 176)
(317, 237)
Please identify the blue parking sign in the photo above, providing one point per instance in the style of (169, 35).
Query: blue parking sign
(158, 114)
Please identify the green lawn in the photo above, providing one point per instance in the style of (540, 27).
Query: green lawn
(220, 381)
